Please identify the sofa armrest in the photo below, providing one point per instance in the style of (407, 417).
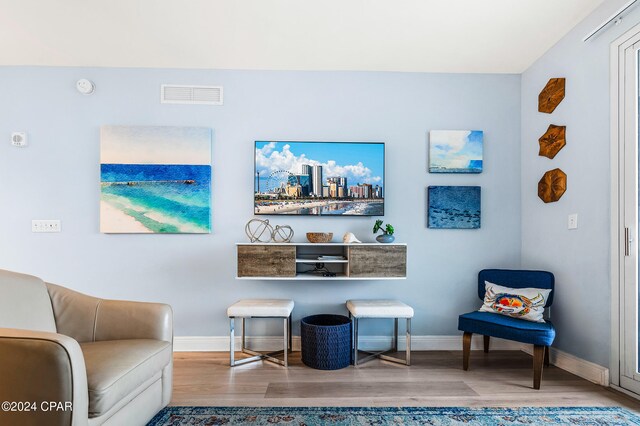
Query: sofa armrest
(46, 372)
(116, 319)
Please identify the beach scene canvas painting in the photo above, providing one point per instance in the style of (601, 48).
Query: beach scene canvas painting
(454, 207)
(319, 178)
(155, 179)
(455, 151)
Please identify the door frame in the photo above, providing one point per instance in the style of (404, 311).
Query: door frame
(617, 232)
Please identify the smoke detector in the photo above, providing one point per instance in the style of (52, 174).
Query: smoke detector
(86, 87)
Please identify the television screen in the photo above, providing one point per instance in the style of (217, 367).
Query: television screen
(319, 178)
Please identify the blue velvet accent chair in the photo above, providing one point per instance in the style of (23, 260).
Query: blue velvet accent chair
(488, 324)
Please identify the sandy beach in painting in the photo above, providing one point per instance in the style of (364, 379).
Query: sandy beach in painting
(155, 179)
(113, 220)
(349, 207)
(290, 207)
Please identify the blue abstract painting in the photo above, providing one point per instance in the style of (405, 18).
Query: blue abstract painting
(454, 207)
(455, 151)
(155, 179)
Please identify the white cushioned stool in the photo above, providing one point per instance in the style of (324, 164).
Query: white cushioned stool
(359, 309)
(260, 308)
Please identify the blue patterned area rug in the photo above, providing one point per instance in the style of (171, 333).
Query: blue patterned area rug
(339, 416)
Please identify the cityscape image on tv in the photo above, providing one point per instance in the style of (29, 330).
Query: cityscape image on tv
(319, 178)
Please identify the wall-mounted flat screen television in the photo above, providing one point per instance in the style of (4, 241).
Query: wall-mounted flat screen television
(319, 178)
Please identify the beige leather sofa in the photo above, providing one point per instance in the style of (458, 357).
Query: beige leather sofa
(112, 360)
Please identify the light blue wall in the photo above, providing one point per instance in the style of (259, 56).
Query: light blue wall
(56, 177)
(579, 258)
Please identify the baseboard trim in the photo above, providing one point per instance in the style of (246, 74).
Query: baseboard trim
(586, 369)
(625, 391)
(270, 343)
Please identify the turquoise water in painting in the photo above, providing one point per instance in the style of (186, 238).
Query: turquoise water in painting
(162, 198)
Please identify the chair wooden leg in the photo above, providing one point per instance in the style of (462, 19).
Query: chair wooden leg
(538, 361)
(466, 350)
(486, 344)
(546, 355)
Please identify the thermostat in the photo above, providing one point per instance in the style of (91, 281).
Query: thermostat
(19, 139)
(84, 86)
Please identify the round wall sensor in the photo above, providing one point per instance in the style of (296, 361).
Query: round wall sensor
(84, 86)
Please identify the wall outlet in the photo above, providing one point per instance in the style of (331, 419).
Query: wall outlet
(45, 226)
(573, 221)
(19, 139)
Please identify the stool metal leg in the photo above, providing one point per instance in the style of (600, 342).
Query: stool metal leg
(383, 354)
(257, 356)
(395, 334)
(231, 342)
(355, 341)
(290, 336)
(352, 340)
(244, 333)
(408, 353)
(286, 342)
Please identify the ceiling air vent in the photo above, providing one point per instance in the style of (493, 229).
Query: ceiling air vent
(190, 95)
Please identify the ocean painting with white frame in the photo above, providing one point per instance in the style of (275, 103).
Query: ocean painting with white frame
(155, 179)
(455, 151)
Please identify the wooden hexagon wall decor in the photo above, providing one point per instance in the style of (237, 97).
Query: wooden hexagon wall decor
(552, 186)
(552, 141)
(551, 95)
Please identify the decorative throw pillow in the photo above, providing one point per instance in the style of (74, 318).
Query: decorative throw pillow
(523, 303)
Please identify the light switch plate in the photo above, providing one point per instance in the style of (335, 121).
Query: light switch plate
(40, 225)
(573, 221)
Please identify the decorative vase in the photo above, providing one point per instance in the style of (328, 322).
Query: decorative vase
(385, 238)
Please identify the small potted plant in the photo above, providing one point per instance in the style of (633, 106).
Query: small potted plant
(387, 232)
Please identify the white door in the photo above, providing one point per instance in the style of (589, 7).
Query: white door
(627, 253)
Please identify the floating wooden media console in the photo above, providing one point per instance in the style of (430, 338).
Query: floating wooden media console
(330, 261)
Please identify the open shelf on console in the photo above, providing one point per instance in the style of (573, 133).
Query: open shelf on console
(299, 261)
(322, 261)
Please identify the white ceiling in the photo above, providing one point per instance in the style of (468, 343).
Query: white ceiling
(475, 36)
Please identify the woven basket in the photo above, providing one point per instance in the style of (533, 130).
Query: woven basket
(326, 341)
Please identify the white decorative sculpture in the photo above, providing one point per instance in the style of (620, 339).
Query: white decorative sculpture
(350, 238)
(282, 234)
(260, 231)
(256, 230)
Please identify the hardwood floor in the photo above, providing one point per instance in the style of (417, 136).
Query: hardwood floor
(500, 378)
